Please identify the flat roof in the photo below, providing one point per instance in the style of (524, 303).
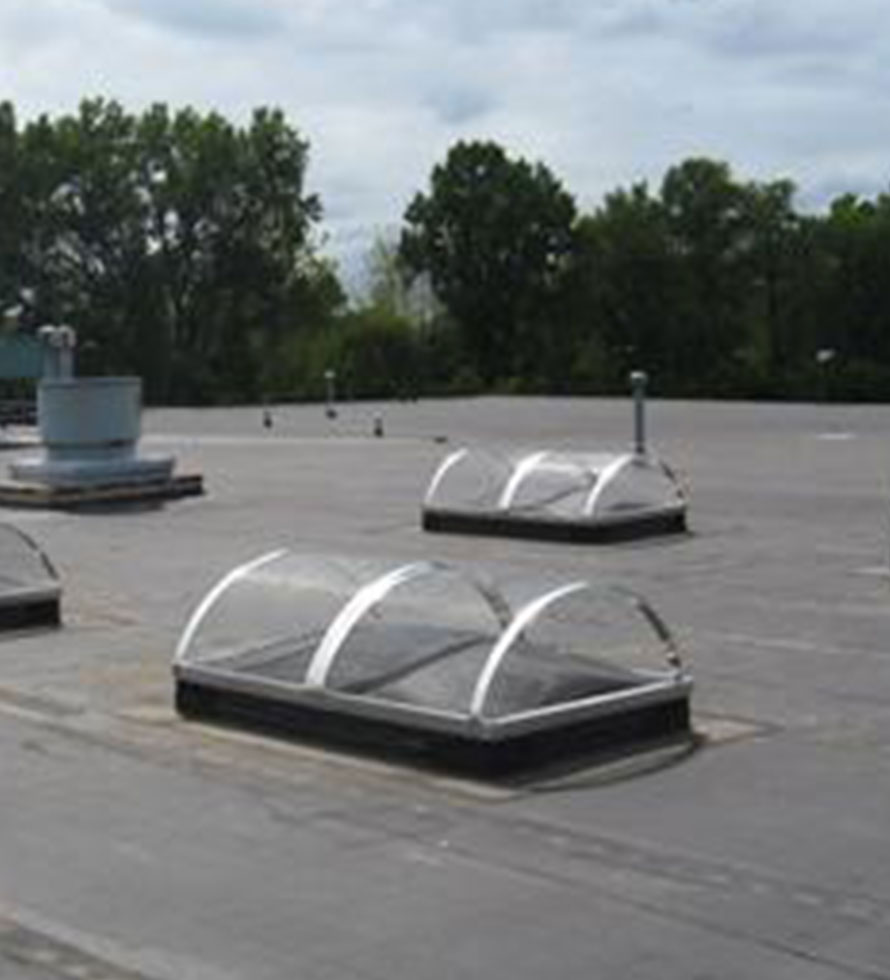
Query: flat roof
(136, 845)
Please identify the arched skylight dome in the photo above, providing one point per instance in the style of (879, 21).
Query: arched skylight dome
(426, 661)
(29, 585)
(568, 496)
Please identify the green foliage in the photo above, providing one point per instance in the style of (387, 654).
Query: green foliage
(721, 288)
(372, 354)
(176, 243)
(181, 248)
(626, 277)
(856, 242)
(379, 357)
(704, 214)
(494, 235)
(12, 215)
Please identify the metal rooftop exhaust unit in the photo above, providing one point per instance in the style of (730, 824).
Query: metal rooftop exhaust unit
(30, 592)
(558, 495)
(421, 662)
(90, 429)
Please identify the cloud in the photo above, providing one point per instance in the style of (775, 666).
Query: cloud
(604, 92)
(633, 20)
(458, 105)
(25, 25)
(205, 18)
(765, 28)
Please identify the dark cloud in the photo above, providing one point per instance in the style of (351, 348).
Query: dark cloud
(479, 21)
(206, 18)
(739, 28)
(457, 106)
(630, 21)
(766, 28)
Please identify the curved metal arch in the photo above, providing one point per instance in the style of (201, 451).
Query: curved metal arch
(352, 612)
(493, 598)
(522, 469)
(506, 640)
(675, 479)
(215, 593)
(607, 475)
(34, 546)
(672, 654)
(533, 609)
(450, 460)
(375, 592)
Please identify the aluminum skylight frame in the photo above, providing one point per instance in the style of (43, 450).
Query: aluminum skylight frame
(215, 684)
(597, 503)
(30, 590)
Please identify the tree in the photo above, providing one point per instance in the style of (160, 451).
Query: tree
(392, 289)
(856, 311)
(705, 284)
(627, 272)
(494, 235)
(703, 209)
(229, 225)
(12, 218)
(179, 245)
(378, 355)
(772, 259)
(86, 244)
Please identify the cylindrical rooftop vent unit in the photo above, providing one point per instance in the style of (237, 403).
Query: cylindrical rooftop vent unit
(90, 429)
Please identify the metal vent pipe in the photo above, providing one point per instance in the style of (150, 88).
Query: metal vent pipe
(58, 351)
(638, 380)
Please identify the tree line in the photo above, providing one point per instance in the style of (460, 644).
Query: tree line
(718, 287)
(179, 245)
(186, 249)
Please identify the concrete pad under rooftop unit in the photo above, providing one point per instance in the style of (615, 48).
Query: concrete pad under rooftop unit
(90, 429)
(23, 494)
(136, 845)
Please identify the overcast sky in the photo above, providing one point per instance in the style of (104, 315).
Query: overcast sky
(605, 92)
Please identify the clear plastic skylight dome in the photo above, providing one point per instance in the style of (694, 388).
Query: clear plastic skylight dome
(557, 494)
(564, 495)
(29, 586)
(419, 660)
